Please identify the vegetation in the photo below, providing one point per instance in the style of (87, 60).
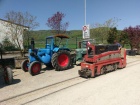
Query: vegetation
(17, 25)
(124, 39)
(133, 35)
(56, 25)
(75, 36)
(112, 35)
(40, 37)
(103, 33)
(8, 46)
(100, 31)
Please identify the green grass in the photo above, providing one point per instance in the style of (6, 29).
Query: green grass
(75, 35)
(127, 46)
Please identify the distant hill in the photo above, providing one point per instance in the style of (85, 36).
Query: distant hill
(42, 34)
(75, 36)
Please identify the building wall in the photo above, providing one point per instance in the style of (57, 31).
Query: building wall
(5, 31)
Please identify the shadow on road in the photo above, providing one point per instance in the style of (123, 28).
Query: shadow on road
(3, 84)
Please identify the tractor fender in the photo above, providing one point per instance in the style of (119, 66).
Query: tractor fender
(55, 49)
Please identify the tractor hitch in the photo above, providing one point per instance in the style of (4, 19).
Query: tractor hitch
(85, 72)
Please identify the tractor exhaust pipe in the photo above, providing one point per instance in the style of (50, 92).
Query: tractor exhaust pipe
(32, 44)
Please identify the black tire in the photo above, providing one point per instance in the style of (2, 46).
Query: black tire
(35, 68)
(24, 66)
(61, 60)
(8, 75)
(115, 66)
(49, 65)
(103, 70)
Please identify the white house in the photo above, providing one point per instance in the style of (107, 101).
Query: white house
(12, 31)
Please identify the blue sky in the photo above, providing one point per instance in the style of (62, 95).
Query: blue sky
(97, 11)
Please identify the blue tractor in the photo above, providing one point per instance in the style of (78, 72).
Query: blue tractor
(55, 54)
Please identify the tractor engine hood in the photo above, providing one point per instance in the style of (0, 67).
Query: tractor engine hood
(42, 55)
(82, 51)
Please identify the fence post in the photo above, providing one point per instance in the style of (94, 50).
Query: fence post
(76, 42)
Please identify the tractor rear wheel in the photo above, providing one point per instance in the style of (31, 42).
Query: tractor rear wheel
(8, 75)
(35, 68)
(61, 60)
(24, 66)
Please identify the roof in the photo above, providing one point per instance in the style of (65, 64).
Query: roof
(59, 35)
(13, 23)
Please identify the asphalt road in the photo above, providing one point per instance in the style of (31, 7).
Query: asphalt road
(121, 87)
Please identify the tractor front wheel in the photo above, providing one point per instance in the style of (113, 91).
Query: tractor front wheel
(35, 68)
(8, 75)
(61, 60)
(24, 66)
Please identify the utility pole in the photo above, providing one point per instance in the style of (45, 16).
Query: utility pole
(85, 12)
(86, 29)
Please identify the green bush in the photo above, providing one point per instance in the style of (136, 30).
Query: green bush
(10, 48)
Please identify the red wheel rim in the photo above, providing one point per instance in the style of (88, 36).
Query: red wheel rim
(63, 60)
(36, 68)
(25, 65)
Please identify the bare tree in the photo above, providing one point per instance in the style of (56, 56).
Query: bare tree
(102, 29)
(17, 23)
(56, 25)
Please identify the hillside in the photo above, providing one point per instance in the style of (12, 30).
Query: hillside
(42, 34)
(99, 34)
(95, 32)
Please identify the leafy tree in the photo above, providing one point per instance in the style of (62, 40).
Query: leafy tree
(17, 23)
(103, 29)
(133, 36)
(56, 25)
(112, 35)
(124, 38)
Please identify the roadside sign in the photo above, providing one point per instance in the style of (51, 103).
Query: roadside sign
(86, 32)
